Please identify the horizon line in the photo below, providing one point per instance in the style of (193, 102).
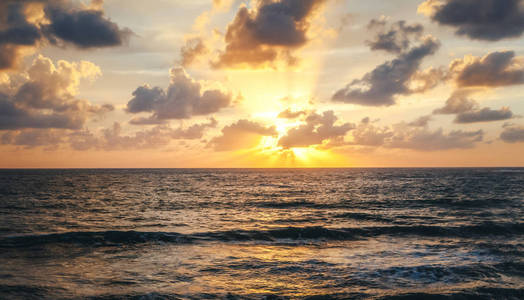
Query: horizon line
(259, 168)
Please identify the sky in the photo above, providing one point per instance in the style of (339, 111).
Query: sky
(261, 83)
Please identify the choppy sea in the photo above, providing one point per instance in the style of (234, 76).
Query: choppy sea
(262, 234)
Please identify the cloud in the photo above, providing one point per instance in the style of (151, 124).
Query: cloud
(193, 132)
(33, 138)
(82, 28)
(46, 96)
(12, 117)
(489, 20)
(260, 36)
(407, 136)
(421, 121)
(367, 134)
(400, 76)
(495, 69)
(183, 99)
(427, 140)
(318, 129)
(26, 25)
(484, 115)
(288, 114)
(468, 111)
(17, 30)
(16, 34)
(96, 4)
(381, 86)
(457, 103)
(194, 48)
(243, 134)
(113, 138)
(144, 99)
(513, 134)
(146, 121)
(394, 38)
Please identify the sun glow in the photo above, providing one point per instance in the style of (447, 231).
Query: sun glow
(270, 153)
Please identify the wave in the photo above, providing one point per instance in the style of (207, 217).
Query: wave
(92, 238)
(23, 292)
(480, 293)
(430, 274)
(317, 233)
(297, 203)
(360, 216)
(471, 294)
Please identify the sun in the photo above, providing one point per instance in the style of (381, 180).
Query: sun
(278, 156)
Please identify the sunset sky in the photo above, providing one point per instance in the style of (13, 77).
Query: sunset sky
(268, 83)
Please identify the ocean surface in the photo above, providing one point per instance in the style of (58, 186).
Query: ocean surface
(262, 234)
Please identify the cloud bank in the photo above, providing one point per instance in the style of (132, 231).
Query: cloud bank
(44, 96)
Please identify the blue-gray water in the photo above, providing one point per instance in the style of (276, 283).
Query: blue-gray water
(255, 234)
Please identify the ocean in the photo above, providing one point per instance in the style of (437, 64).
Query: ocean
(262, 234)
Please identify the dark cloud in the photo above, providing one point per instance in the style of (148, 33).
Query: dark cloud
(243, 134)
(493, 70)
(513, 134)
(385, 82)
(15, 34)
(288, 114)
(191, 51)
(16, 29)
(317, 129)
(13, 117)
(183, 99)
(490, 20)
(394, 38)
(9, 56)
(144, 99)
(484, 115)
(400, 76)
(269, 32)
(468, 111)
(64, 22)
(83, 28)
(46, 97)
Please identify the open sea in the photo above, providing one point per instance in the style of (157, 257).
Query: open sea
(262, 234)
